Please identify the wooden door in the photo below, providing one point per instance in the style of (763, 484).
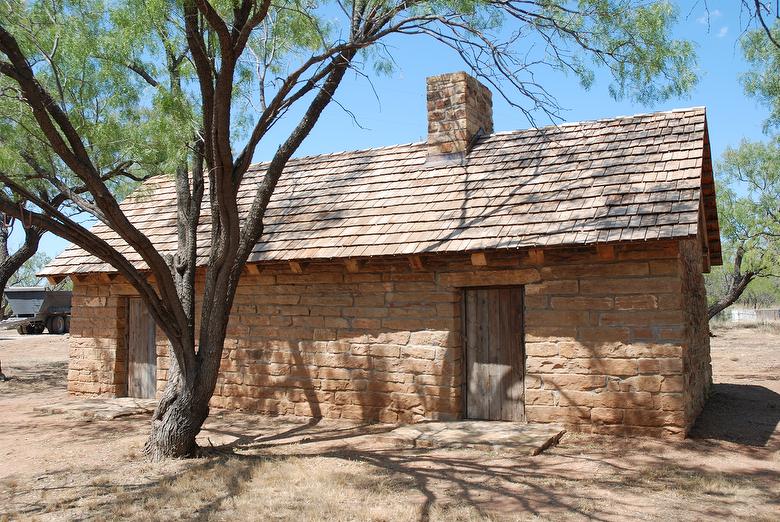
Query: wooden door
(142, 352)
(495, 355)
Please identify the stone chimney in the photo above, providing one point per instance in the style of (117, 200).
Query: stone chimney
(459, 108)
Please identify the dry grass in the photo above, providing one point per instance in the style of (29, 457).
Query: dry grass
(435, 485)
(769, 328)
(229, 488)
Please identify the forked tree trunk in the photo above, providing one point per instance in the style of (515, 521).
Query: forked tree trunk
(184, 405)
(738, 282)
(736, 290)
(177, 420)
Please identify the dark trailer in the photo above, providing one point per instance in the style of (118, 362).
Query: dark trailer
(37, 308)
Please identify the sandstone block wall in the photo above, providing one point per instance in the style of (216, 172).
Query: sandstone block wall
(97, 362)
(610, 345)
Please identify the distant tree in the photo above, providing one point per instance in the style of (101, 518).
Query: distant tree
(749, 188)
(748, 196)
(248, 65)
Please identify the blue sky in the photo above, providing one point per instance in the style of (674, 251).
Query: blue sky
(397, 113)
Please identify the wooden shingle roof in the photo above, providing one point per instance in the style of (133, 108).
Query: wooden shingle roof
(635, 178)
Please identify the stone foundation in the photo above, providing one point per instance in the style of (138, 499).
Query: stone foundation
(615, 338)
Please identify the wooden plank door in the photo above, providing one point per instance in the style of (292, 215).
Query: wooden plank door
(142, 352)
(495, 355)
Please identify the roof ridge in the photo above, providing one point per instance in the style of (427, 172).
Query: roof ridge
(596, 120)
(256, 166)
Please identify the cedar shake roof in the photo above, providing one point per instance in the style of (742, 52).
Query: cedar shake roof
(635, 178)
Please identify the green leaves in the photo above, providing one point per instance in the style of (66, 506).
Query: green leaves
(649, 65)
(763, 80)
(748, 209)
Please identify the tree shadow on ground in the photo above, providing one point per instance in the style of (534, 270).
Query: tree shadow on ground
(742, 413)
(308, 464)
(41, 377)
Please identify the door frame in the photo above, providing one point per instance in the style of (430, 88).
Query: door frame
(464, 386)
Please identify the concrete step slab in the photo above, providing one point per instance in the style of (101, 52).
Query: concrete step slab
(100, 408)
(524, 438)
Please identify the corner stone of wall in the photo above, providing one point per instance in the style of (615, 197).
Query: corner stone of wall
(696, 355)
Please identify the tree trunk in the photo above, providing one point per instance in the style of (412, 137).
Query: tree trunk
(177, 420)
(734, 293)
(738, 283)
(10, 264)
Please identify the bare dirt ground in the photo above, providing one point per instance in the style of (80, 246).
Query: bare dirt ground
(54, 467)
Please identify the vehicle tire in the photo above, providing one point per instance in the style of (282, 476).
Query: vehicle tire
(67, 324)
(21, 330)
(56, 324)
(37, 328)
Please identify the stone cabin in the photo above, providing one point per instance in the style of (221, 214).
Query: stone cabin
(541, 275)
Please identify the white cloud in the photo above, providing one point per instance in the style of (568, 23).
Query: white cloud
(706, 17)
(723, 31)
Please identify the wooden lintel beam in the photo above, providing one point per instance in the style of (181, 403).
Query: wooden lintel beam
(353, 265)
(296, 267)
(479, 259)
(416, 263)
(79, 278)
(605, 252)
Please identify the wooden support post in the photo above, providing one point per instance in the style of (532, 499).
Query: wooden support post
(353, 266)
(416, 263)
(479, 259)
(605, 252)
(296, 267)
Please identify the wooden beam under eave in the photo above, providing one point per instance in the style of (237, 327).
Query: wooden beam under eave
(55, 280)
(416, 263)
(536, 256)
(252, 269)
(479, 259)
(296, 267)
(353, 266)
(605, 252)
(79, 278)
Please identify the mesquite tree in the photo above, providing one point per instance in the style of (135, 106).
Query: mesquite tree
(749, 212)
(246, 66)
(749, 184)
